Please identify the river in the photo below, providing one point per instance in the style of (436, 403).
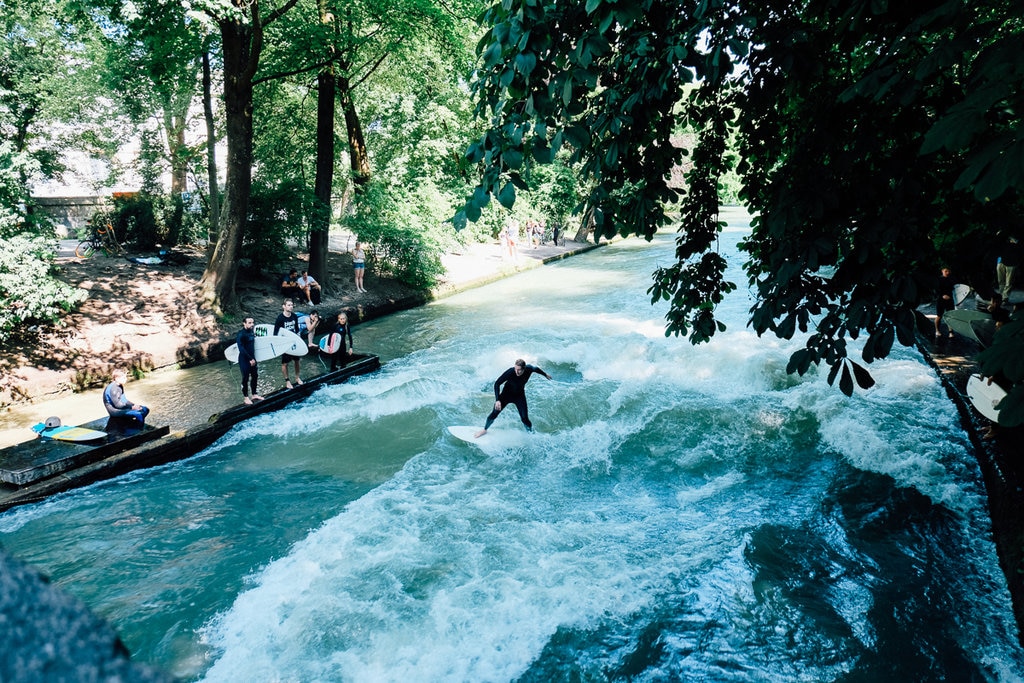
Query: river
(681, 513)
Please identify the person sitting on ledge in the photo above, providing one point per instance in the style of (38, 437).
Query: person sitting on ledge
(310, 288)
(117, 404)
(290, 285)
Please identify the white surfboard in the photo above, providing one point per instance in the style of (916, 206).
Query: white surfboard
(270, 347)
(299, 346)
(495, 439)
(959, 320)
(960, 294)
(984, 396)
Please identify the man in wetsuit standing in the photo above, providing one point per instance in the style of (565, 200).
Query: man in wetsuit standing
(514, 391)
(246, 341)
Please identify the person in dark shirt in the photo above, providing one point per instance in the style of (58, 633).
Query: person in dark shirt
(289, 321)
(511, 388)
(246, 341)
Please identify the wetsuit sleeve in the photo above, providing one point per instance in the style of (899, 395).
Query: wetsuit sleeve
(278, 323)
(114, 396)
(505, 376)
(348, 331)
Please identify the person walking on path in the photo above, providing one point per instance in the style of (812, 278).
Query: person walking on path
(289, 321)
(359, 266)
(117, 404)
(944, 302)
(246, 341)
(511, 388)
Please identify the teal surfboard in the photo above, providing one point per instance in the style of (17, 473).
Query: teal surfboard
(68, 433)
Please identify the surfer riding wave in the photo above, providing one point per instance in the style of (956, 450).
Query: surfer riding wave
(514, 391)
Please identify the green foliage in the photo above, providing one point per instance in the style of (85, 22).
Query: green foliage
(876, 142)
(14, 168)
(28, 289)
(277, 216)
(406, 232)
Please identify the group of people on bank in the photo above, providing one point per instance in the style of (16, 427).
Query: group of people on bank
(310, 328)
(306, 290)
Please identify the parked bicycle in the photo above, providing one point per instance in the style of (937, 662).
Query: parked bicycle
(102, 238)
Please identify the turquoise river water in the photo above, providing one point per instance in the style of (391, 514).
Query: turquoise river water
(681, 513)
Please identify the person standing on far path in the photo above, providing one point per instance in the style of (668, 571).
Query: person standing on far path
(359, 266)
(246, 341)
(944, 302)
(289, 321)
(511, 388)
(1006, 265)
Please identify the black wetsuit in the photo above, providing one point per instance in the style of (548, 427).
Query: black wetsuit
(514, 391)
(246, 341)
(340, 358)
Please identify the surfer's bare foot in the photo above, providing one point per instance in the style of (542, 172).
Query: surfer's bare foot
(480, 433)
(298, 380)
(257, 398)
(247, 401)
(287, 384)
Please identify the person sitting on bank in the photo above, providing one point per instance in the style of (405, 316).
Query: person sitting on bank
(310, 288)
(117, 404)
(290, 285)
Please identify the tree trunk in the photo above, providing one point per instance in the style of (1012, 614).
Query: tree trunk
(241, 44)
(211, 155)
(357, 145)
(324, 183)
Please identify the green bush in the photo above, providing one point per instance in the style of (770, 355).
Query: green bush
(28, 289)
(406, 231)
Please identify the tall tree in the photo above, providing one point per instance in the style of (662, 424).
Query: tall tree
(347, 46)
(877, 139)
(242, 31)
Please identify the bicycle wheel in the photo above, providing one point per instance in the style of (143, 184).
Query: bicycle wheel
(85, 249)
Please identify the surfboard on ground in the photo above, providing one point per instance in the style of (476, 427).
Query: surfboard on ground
(959, 320)
(330, 343)
(984, 396)
(267, 348)
(68, 433)
(496, 439)
(984, 330)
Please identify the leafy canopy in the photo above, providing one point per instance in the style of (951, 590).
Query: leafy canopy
(877, 141)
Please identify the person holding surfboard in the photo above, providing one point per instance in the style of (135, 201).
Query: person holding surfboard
(511, 388)
(341, 355)
(117, 404)
(289, 321)
(246, 341)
